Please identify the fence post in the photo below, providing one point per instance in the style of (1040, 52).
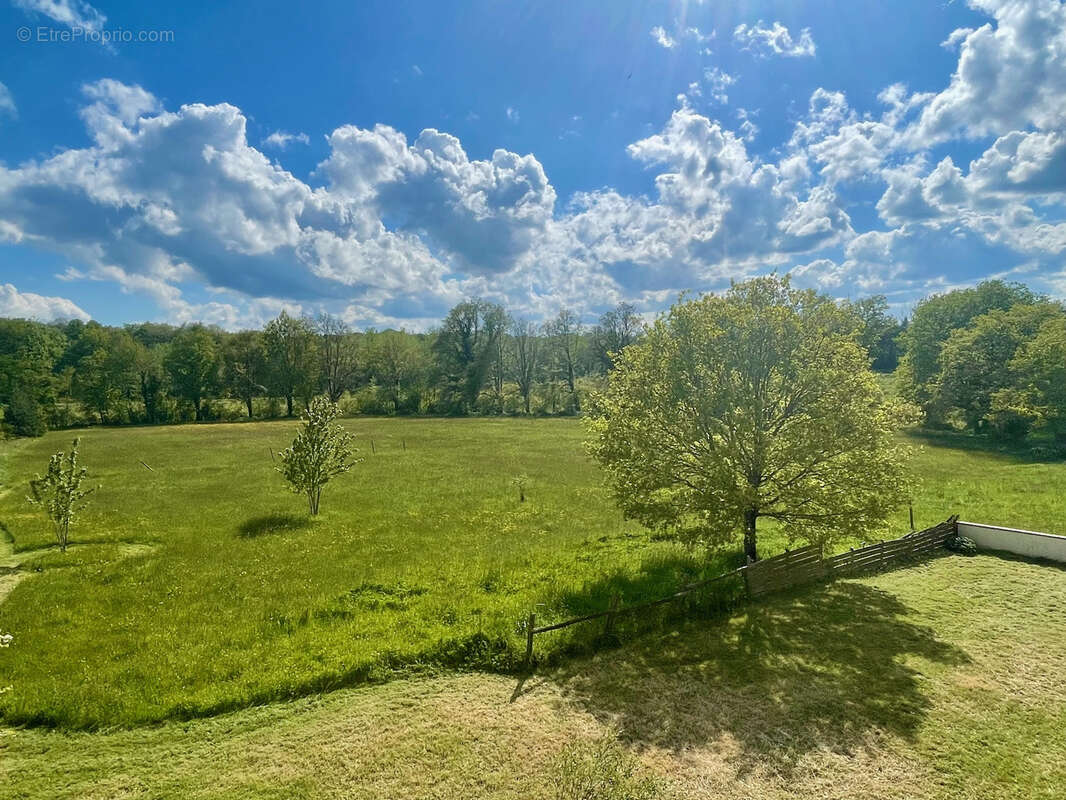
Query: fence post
(911, 507)
(529, 639)
(611, 609)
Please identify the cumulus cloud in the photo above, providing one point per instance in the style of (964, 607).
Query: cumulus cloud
(776, 39)
(280, 140)
(1011, 75)
(72, 13)
(483, 214)
(28, 305)
(7, 102)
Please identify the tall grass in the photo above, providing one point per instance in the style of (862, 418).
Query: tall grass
(200, 585)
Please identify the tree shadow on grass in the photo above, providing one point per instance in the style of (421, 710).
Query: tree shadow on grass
(272, 523)
(815, 669)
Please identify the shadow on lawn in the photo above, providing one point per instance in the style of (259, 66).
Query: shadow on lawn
(272, 523)
(815, 669)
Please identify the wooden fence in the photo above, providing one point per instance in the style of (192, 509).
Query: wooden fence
(791, 568)
(796, 567)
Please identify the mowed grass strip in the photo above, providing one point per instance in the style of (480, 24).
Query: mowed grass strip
(940, 681)
(201, 586)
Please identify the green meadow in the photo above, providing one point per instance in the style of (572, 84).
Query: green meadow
(196, 585)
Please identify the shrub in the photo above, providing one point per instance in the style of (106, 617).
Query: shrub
(602, 769)
(961, 544)
(24, 414)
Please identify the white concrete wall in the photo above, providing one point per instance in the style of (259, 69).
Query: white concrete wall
(1025, 543)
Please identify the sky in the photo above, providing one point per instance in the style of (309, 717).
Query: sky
(382, 161)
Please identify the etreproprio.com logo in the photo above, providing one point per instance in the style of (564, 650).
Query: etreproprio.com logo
(49, 35)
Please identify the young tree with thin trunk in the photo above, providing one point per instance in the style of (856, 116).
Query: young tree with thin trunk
(59, 491)
(321, 451)
(758, 404)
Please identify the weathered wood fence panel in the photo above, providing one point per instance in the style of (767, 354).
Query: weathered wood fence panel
(791, 568)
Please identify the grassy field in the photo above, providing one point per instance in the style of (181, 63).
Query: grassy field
(200, 587)
(935, 682)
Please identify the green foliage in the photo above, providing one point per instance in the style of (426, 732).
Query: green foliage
(934, 319)
(293, 358)
(601, 769)
(1038, 394)
(59, 491)
(24, 415)
(617, 329)
(468, 348)
(756, 404)
(975, 361)
(879, 332)
(193, 365)
(321, 451)
(963, 545)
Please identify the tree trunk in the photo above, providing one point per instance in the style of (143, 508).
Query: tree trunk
(288, 404)
(248, 401)
(750, 515)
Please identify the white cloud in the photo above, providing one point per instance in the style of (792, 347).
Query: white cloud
(72, 13)
(7, 102)
(680, 33)
(28, 305)
(662, 38)
(1010, 76)
(775, 39)
(512, 114)
(718, 83)
(282, 139)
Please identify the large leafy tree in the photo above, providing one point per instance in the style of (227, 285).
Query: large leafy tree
(245, 367)
(617, 329)
(293, 356)
(193, 365)
(398, 362)
(756, 404)
(879, 332)
(467, 347)
(339, 355)
(932, 323)
(564, 337)
(1038, 393)
(975, 361)
(526, 358)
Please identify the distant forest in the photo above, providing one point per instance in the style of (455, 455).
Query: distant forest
(990, 358)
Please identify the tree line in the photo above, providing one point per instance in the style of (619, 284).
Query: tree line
(989, 358)
(480, 360)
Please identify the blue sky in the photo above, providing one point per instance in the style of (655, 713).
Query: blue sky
(384, 160)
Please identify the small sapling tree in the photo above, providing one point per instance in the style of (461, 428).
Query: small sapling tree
(321, 450)
(59, 491)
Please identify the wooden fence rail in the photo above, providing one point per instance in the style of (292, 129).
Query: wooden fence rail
(791, 568)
